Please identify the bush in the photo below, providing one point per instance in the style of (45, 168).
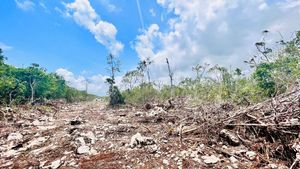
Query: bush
(115, 96)
(140, 94)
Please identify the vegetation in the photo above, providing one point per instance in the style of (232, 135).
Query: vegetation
(273, 72)
(115, 97)
(34, 84)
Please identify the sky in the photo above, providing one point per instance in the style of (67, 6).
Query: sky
(74, 37)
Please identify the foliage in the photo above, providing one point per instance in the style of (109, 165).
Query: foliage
(115, 97)
(131, 78)
(34, 84)
(273, 72)
(140, 94)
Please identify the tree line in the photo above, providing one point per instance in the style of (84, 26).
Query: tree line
(34, 84)
(273, 71)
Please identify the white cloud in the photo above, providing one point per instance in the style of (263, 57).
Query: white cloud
(152, 12)
(109, 6)
(222, 32)
(85, 15)
(96, 84)
(4, 46)
(25, 4)
(43, 5)
(62, 13)
(288, 4)
(263, 6)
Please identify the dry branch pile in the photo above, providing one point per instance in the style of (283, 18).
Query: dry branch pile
(271, 129)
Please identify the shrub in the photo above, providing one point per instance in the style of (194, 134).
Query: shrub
(115, 96)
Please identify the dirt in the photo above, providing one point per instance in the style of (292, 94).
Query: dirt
(90, 135)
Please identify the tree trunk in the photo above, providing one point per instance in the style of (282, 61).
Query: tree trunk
(148, 74)
(32, 83)
(170, 73)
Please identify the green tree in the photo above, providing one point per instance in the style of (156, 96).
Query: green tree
(130, 78)
(2, 58)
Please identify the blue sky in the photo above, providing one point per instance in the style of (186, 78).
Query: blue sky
(73, 37)
(45, 36)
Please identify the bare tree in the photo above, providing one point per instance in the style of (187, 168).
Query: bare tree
(200, 70)
(262, 48)
(143, 67)
(114, 65)
(114, 93)
(87, 81)
(148, 63)
(170, 72)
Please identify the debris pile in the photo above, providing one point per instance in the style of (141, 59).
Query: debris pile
(269, 131)
(170, 135)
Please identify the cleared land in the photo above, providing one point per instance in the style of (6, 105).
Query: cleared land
(89, 135)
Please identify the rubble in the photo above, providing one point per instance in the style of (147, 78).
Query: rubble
(230, 137)
(36, 142)
(176, 135)
(14, 136)
(138, 140)
(210, 159)
(75, 122)
(251, 155)
(83, 149)
(56, 164)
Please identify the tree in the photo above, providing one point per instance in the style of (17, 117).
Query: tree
(143, 67)
(115, 97)
(130, 78)
(238, 72)
(2, 58)
(200, 70)
(114, 65)
(170, 72)
(34, 75)
(225, 80)
(33, 84)
(262, 48)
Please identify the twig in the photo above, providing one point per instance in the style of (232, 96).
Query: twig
(146, 128)
(254, 118)
(244, 141)
(263, 125)
(228, 154)
(190, 130)
(294, 163)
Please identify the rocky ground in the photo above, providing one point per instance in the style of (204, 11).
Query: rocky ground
(89, 135)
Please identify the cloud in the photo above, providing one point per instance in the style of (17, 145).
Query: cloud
(110, 7)
(44, 7)
(25, 4)
(152, 12)
(104, 32)
(222, 32)
(288, 4)
(4, 46)
(96, 84)
(263, 6)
